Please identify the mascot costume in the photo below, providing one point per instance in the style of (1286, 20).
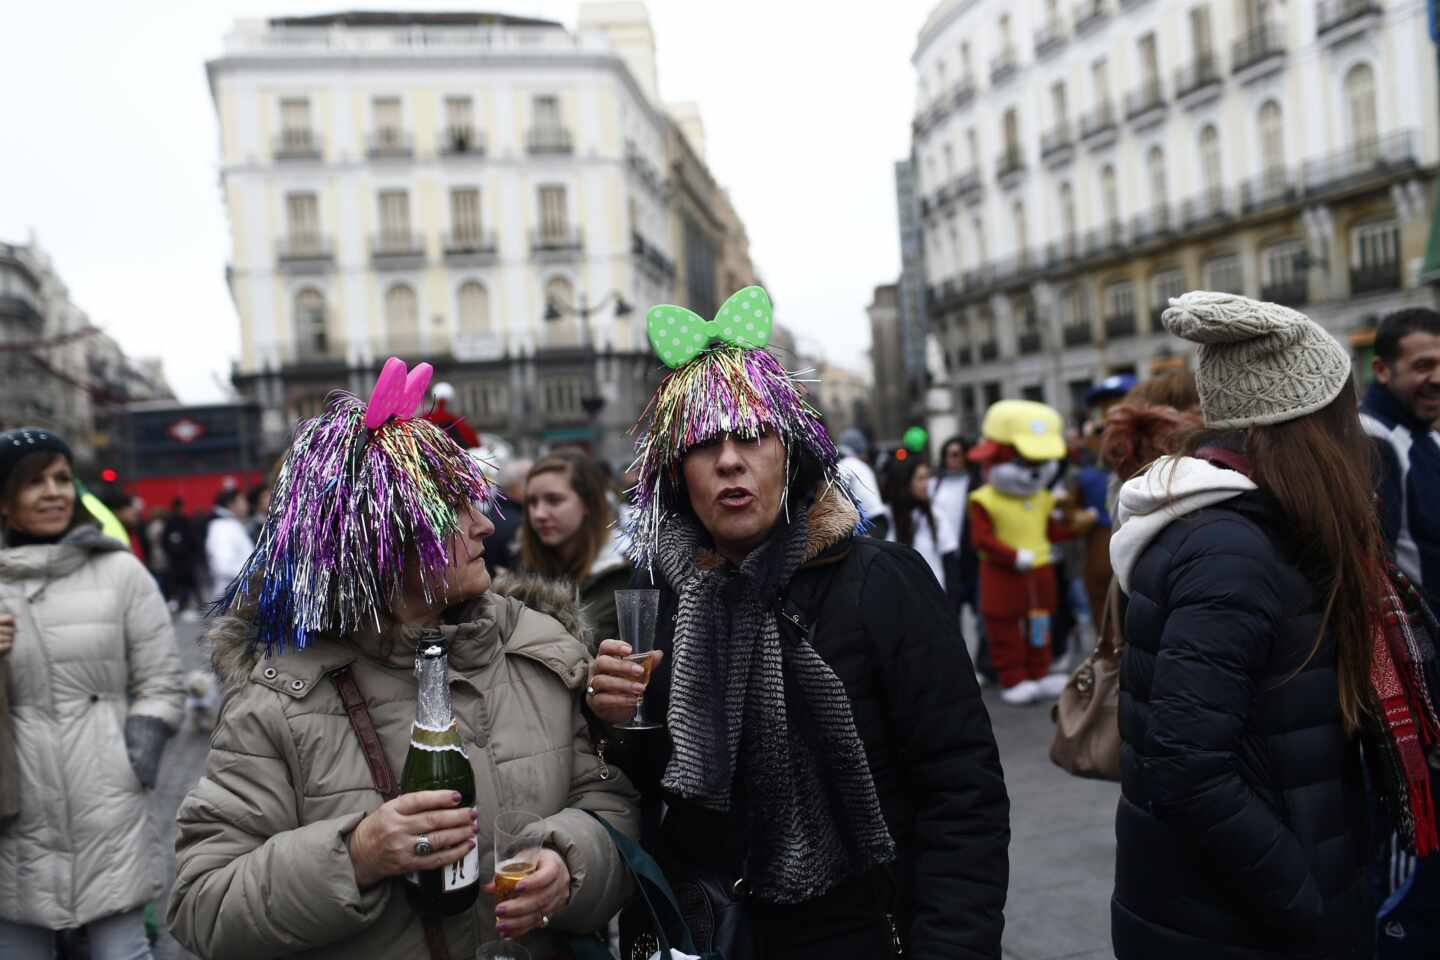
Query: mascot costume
(1014, 519)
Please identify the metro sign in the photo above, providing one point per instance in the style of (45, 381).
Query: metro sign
(185, 430)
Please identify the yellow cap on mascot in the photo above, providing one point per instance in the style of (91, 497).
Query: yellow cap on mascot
(1033, 429)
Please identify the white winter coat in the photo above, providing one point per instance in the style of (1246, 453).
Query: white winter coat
(227, 547)
(93, 645)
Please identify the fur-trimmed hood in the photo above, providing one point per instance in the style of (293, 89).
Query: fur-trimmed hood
(475, 630)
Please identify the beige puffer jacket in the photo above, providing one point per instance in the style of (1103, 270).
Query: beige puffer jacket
(93, 644)
(262, 868)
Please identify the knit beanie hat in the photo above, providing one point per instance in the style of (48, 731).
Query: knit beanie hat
(17, 444)
(1260, 363)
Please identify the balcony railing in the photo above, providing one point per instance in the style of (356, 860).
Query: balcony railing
(391, 245)
(1011, 161)
(1090, 14)
(1197, 75)
(1334, 14)
(20, 306)
(1211, 205)
(469, 242)
(1028, 343)
(1049, 38)
(1003, 67)
(1057, 139)
(1274, 188)
(1077, 334)
(967, 185)
(963, 92)
(989, 350)
(1120, 326)
(1294, 292)
(390, 142)
(557, 240)
(297, 145)
(1063, 251)
(1156, 222)
(1375, 276)
(650, 254)
(305, 246)
(462, 141)
(1105, 239)
(965, 356)
(1262, 43)
(1370, 159)
(1098, 122)
(1149, 96)
(549, 139)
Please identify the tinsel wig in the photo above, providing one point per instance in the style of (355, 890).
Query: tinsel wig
(733, 386)
(364, 492)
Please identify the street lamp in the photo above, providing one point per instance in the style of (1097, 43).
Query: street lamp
(592, 402)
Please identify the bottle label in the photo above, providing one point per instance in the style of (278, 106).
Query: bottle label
(463, 872)
(434, 740)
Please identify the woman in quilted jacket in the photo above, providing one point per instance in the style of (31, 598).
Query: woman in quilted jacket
(287, 847)
(1258, 660)
(92, 677)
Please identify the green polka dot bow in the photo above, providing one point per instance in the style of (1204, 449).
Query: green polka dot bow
(679, 335)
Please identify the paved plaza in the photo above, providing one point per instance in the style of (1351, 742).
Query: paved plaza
(1062, 854)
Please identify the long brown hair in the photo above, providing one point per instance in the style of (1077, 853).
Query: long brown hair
(1318, 469)
(30, 467)
(572, 560)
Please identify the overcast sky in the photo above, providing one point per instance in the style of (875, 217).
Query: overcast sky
(108, 152)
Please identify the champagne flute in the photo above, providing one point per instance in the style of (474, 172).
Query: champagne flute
(637, 611)
(519, 835)
(502, 950)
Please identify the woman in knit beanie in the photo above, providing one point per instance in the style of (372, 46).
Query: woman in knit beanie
(1267, 639)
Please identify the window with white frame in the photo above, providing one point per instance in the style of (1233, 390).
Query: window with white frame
(295, 131)
(1119, 299)
(1360, 107)
(385, 114)
(459, 123)
(1022, 236)
(302, 221)
(1279, 264)
(1272, 141)
(1223, 274)
(1159, 190)
(985, 324)
(473, 302)
(546, 111)
(1077, 306)
(972, 142)
(1166, 285)
(1200, 41)
(402, 318)
(554, 213)
(981, 250)
(1211, 172)
(1375, 246)
(1067, 213)
(1110, 195)
(560, 397)
(394, 219)
(485, 400)
(465, 215)
(310, 324)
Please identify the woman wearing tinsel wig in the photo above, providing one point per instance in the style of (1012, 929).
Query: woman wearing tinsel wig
(829, 778)
(285, 847)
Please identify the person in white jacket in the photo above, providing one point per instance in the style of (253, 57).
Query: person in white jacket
(227, 543)
(858, 473)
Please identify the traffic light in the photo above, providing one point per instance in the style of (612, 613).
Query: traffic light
(109, 475)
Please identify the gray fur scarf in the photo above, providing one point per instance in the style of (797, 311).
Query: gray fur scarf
(757, 718)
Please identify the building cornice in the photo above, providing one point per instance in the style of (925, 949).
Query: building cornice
(938, 22)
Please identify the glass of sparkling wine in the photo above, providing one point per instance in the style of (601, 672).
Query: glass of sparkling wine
(502, 950)
(518, 838)
(637, 611)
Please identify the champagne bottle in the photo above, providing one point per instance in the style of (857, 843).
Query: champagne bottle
(437, 761)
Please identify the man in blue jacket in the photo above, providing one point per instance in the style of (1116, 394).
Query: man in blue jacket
(1399, 413)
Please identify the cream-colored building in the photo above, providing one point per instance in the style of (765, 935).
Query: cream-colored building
(1081, 163)
(489, 193)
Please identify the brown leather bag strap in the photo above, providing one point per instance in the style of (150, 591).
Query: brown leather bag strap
(364, 728)
(384, 780)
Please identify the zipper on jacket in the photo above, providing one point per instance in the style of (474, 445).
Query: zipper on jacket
(600, 755)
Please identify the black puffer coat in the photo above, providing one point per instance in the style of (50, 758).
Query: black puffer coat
(1241, 820)
(883, 625)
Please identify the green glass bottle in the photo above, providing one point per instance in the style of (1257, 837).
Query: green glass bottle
(437, 761)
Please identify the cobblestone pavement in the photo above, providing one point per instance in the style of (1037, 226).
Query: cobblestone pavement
(1062, 851)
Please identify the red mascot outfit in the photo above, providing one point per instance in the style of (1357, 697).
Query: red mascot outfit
(1014, 519)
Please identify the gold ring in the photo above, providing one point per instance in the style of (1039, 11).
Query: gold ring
(544, 920)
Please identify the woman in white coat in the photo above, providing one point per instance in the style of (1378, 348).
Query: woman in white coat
(227, 542)
(88, 659)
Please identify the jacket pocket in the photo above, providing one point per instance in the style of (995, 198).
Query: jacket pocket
(110, 744)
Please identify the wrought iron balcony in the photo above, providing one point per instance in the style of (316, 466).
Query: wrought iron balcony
(1334, 14)
(390, 143)
(1028, 343)
(967, 186)
(1049, 38)
(1294, 292)
(1058, 140)
(1090, 14)
(1375, 276)
(467, 243)
(1105, 239)
(1098, 122)
(299, 249)
(1062, 252)
(650, 255)
(297, 144)
(20, 305)
(1010, 162)
(1197, 75)
(1371, 160)
(1148, 97)
(1121, 326)
(963, 93)
(1277, 187)
(462, 140)
(1208, 207)
(1077, 334)
(989, 350)
(1005, 66)
(559, 240)
(396, 248)
(549, 139)
(1262, 43)
(1156, 222)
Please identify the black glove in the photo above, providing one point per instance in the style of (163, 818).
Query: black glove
(144, 742)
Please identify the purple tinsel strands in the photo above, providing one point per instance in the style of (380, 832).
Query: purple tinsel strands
(350, 506)
(727, 389)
